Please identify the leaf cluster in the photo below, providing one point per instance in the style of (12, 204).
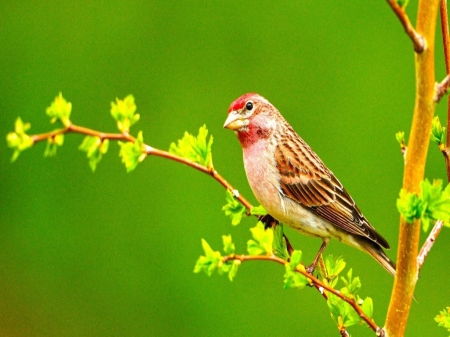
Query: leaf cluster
(60, 110)
(433, 203)
(292, 278)
(438, 133)
(341, 311)
(95, 148)
(443, 318)
(233, 208)
(196, 149)
(18, 140)
(132, 153)
(124, 112)
(213, 260)
(261, 244)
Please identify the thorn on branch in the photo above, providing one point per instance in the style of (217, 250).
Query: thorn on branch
(417, 39)
(441, 88)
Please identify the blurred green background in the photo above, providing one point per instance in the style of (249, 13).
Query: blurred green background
(111, 253)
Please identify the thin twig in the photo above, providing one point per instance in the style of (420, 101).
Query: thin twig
(321, 286)
(428, 244)
(441, 88)
(150, 151)
(417, 39)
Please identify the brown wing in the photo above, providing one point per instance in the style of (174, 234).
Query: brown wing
(305, 179)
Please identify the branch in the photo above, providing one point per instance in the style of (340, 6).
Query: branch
(417, 39)
(428, 244)
(446, 43)
(318, 284)
(409, 234)
(149, 150)
(441, 88)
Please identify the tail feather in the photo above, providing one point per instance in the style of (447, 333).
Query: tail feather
(378, 254)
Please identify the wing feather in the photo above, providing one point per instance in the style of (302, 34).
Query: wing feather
(306, 180)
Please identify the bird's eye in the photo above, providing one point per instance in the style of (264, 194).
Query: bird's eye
(249, 106)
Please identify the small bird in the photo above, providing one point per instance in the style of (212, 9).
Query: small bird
(293, 184)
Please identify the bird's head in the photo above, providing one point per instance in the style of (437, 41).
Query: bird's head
(251, 118)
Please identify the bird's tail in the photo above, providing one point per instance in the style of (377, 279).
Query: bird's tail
(378, 254)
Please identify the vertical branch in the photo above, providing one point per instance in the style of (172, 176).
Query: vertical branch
(424, 108)
(446, 42)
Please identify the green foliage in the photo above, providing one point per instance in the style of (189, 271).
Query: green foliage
(60, 110)
(233, 208)
(18, 140)
(279, 243)
(132, 153)
(436, 203)
(403, 3)
(262, 243)
(443, 318)
(124, 112)
(258, 210)
(52, 145)
(292, 278)
(213, 260)
(438, 133)
(228, 245)
(400, 136)
(409, 205)
(432, 204)
(333, 267)
(94, 148)
(196, 149)
(342, 312)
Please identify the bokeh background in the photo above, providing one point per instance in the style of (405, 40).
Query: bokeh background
(111, 253)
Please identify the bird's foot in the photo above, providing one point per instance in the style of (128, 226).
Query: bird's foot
(268, 221)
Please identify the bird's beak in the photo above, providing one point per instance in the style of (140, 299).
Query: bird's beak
(234, 121)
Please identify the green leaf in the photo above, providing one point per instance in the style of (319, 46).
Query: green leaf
(132, 153)
(367, 307)
(292, 278)
(52, 145)
(400, 136)
(60, 110)
(342, 312)
(409, 205)
(334, 266)
(233, 270)
(95, 148)
(438, 133)
(443, 319)
(436, 203)
(233, 208)
(196, 149)
(228, 245)
(211, 261)
(258, 210)
(295, 260)
(352, 284)
(124, 112)
(262, 243)
(279, 243)
(18, 140)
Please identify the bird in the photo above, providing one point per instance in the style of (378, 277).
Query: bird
(293, 184)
